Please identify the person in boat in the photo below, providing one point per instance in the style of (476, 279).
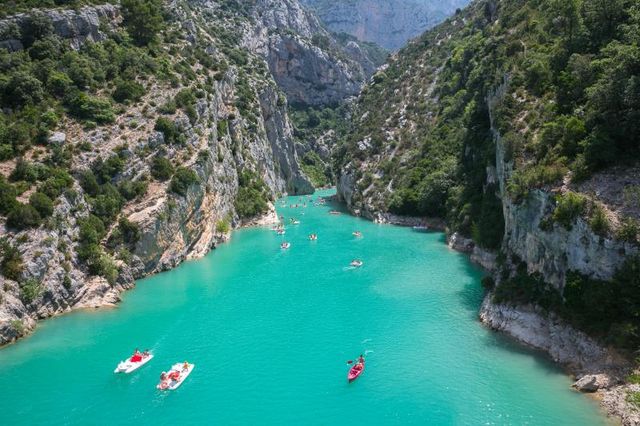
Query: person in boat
(137, 356)
(361, 359)
(163, 376)
(185, 366)
(145, 353)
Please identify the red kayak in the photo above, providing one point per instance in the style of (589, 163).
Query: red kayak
(355, 371)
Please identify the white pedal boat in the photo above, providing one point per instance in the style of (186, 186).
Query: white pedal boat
(127, 366)
(175, 376)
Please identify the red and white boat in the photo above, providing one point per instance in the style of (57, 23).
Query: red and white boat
(136, 361)
(355, 371)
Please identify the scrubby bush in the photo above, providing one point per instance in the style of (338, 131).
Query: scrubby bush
(168, 128)
(569, 207)
(108, 203)
(161, 168)
(133, 189)
(629, 231)
(182, 180)
(23, 216)
(56, 183)
(88, 107)
(599, 221)
(42, 203)
(143, 19)
(108, 169)
(30, 290)
(126, 233)
(127, 90)
(11, 264)
(7, 196)
(223, 226)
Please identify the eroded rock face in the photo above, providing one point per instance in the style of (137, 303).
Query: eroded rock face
(77, 26)
(388, 23)
(557, 250)
(549, 333)
(308, 64)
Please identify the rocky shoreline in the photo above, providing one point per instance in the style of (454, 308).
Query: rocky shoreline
(598, 370)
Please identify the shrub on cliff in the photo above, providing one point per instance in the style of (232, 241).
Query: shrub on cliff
(629, 231)
(126, 233)
(127, 90)
(23, 216)
(42, 203)
(107, 203)
(182, 180)
(30, 289)
(161, 168)
(223, 226)
(7, 196)
(569, 207)
(609, 310)
(599, 222)
(131, 190)
(11, 264)
(87, 107)
(168, 128)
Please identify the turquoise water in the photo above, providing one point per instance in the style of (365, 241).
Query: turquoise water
(270, 332)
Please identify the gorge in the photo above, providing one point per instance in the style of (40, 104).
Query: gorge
(137, 135)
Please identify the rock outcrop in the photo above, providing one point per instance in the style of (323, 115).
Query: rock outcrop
(76, 26)
(306, 61)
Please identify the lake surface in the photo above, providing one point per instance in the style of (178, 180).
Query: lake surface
(270, 331)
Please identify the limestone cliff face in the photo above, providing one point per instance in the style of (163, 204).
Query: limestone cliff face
(308, 64)
(220, 141)
(552, 251)
(76, 26)
(387, 23)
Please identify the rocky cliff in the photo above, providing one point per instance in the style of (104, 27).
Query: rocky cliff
(222, 125)
(307, 62)
(390, 24)
(76, 26)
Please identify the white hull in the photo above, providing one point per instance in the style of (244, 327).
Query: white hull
(175, 384)
(127, 366)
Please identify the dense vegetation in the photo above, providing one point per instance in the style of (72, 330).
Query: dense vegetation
(253, 195)
(571, 105)
(315, 126)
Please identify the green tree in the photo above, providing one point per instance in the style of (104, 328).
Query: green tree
(11, 264)
(143, 19)
(23, 216)
(161, 168)
(182, 180)
(42, 203)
